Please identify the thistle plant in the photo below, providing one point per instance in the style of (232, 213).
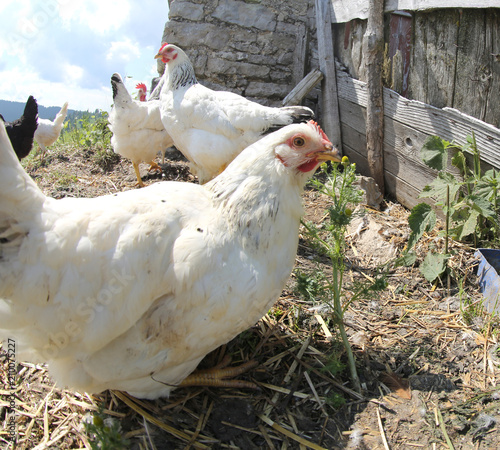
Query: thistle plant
(330, 240)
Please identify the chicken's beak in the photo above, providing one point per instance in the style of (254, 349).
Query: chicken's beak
(157, 56)
(329, 154)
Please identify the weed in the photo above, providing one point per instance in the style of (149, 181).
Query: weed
(90, 130)
(470, 204)
(105, 158)
(331, 238)
(105, 433)
(335, 400)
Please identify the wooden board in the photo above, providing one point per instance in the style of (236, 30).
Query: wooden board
(432, 73)
(331, 122)
(478, 70)
(444, 57)
(346, 10)
(406, 126)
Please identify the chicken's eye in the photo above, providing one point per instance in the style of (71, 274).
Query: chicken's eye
(299, 141)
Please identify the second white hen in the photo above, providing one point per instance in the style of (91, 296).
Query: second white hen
(138, 132)
(130, 291)
(48, 131)
(211, 127)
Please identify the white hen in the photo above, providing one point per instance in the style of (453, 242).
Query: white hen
(211, 127)
(138, 132)
(117, 290)
(48, 131)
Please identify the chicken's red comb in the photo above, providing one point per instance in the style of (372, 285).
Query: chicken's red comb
(163, 46)
(318, 129)
(141, 86)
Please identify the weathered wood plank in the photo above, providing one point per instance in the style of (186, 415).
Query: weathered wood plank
(373, 48)
(303, 88)
(406, 126)
(448, 123)
(346, 10)
(349, 46)
(331, 120)
(300, 54)
(477, 68)
(432, 73)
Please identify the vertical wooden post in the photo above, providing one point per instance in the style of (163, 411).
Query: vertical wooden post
(373, 50)
(330, 105)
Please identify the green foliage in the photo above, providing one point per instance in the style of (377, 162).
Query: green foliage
(310, 286)
(434, 265)
(89, 130)
(334, 365)
(434, 152)
(473, 200)
(105, 433)
(469, 203)
(331, 239)
(335, 400)
(422, 219)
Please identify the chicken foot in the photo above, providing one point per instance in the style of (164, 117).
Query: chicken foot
(139, 183)
(154, 167)
(218, 376)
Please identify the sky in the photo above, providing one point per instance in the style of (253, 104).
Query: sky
(67, 50)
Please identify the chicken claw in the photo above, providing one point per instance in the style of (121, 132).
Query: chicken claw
(154, 167)
(217, 376)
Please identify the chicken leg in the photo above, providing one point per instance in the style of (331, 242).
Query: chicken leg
(140, 183)
(218, 376)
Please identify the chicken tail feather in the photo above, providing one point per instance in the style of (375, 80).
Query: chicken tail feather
(293, 114)
(61, 115)
(120, 93)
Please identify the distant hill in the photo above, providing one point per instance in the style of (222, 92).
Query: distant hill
(13, 110)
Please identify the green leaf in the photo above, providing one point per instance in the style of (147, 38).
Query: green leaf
(433, 266)
(469, 226)
(438, 187)
(408, 259)
(460, 163)
(422, 218)
(434, 153)
(483, 206)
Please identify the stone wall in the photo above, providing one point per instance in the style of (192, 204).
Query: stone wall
(257, 48)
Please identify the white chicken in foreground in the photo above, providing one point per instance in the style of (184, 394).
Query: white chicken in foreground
(138, 132)
(48, 131)
(119, 291)
(211, 127)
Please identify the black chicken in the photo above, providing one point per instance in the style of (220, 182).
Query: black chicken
(22, 130)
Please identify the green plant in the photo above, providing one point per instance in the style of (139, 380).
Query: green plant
(335, 400)
(105, 433)
(89, 130)
(469, 203)
(330, 237)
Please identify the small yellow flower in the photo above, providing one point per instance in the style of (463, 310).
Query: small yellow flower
(345, 161)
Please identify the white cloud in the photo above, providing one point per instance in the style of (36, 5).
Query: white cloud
(14, 87)
(101, 17)
(67, 50)
(123, 51)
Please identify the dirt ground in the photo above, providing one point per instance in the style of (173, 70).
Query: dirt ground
(427, 356)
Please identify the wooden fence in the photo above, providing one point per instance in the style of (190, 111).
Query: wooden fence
(443, 67)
